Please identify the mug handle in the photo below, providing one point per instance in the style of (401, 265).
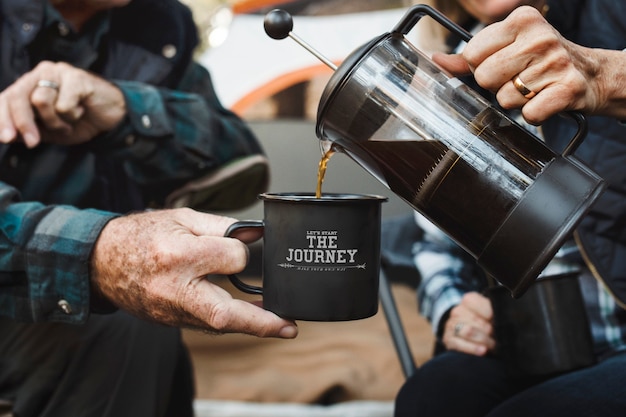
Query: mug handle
(244, 224)
(415, 13)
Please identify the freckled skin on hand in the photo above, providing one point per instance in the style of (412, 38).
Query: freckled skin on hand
(154, 265)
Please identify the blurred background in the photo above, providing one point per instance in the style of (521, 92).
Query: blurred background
(262, 78)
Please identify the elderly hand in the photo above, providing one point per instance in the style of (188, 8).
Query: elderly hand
(154, 264)
(469, 327)
(58, 103)
(558, 74)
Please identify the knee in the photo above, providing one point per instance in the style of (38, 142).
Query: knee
(419, 392)
(451, 384)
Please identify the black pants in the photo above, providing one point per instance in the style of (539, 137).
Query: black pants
(115, 365)
(454, 384)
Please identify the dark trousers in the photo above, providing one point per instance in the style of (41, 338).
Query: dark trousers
(115, 365)
(460, 385)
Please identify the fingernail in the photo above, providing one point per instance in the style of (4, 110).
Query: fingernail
(30, 140)
(288, 332)
(6, 135)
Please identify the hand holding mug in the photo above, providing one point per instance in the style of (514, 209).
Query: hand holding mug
(469, 327)
(154, 265)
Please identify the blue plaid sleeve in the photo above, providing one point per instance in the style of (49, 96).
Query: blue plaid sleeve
(44, 259)
(171, 137)
(447, 273)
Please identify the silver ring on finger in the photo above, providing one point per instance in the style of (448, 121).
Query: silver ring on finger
(48, 84)
(457, 329)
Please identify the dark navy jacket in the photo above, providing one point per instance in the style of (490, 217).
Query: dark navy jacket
(602, 233)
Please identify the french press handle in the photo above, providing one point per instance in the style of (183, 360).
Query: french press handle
(415, 13)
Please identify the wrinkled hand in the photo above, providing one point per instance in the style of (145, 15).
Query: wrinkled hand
(154, 265)
(469, 327)
(564, 75)
(83, 106)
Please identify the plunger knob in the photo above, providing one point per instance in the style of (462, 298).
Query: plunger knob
(278, 24)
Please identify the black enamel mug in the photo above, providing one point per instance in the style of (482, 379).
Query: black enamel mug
(545, 332)
(321, 256)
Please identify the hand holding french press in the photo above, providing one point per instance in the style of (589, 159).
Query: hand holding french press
(525, 52)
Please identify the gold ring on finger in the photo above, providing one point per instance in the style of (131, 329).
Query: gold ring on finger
(522, 88)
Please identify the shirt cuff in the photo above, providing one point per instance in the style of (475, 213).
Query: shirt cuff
(145, 108)
(447, 300)
(146, 118)
(58, 263)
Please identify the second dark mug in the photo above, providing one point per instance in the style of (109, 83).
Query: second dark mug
(321, 256)
(544, 332)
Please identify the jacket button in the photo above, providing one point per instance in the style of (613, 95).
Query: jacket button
(169, 51)
(65, 306)
(145, 120)
(63, 29)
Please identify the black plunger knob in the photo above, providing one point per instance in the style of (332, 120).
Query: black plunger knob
(278, 24)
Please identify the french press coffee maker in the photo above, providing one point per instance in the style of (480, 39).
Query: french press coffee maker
(494, 188)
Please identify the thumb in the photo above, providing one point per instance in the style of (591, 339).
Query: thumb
(220, 311)
(250, 319)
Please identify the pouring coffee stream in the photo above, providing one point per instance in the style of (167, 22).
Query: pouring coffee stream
(489, 184)
(278, 24)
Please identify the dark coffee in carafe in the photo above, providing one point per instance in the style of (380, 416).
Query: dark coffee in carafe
(457, 192)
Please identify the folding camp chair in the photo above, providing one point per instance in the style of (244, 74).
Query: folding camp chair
(398, 236)
(395, 326)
